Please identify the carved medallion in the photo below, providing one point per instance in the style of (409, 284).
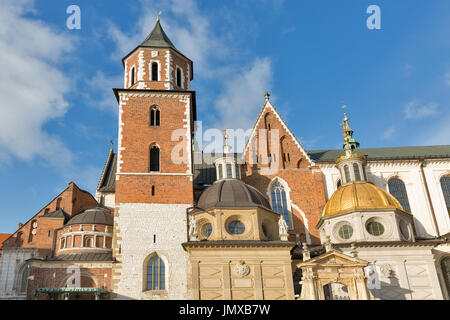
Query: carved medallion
(242, 269)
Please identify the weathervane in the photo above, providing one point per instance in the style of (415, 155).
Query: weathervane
(159, 13)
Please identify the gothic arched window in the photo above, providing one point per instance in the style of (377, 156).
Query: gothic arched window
(154, 71)
(156, 274)
(155, 116)
(398, 190)
(279, 202)
(154, 158)
(356, 171)
(445, 185)
(179, 77)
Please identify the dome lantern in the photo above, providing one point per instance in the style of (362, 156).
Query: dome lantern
(351, 166)
(227, 166)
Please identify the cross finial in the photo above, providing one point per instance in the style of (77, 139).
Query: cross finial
(112, 143)
(157, 18)
(266, 95)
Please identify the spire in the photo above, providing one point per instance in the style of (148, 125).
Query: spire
(158, 37)
(349, 142)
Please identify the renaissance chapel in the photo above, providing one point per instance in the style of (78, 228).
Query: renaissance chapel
(273, 222)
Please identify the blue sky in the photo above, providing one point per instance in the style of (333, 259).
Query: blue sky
(59, 112)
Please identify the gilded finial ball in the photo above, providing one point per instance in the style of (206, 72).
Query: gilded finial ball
(346, 139)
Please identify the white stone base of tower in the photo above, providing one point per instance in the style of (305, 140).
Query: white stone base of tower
(140, 231)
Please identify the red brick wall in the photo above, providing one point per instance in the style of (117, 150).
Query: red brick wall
(176, 59)
(43, 278)
(73, 201)
(137, 137)
(305, 183)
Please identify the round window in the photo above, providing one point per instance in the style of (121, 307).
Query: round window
(206, 230)
(236, 227)
(375, 228)
(346, 231)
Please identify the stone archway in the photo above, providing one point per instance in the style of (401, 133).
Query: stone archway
(334, 276)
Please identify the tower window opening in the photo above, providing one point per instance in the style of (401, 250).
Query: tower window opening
(132, 77)
(155, 116)
(153, 190)
(154, 71)
(179, 77)
(154, 159)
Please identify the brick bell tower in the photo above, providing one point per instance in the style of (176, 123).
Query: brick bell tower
(154, 181)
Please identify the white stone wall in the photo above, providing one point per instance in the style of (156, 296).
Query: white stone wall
(379, 173)
(108, 199)
(12, 261)
(405, 273)
(136, 226)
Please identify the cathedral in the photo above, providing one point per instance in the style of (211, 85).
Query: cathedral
(274, 222)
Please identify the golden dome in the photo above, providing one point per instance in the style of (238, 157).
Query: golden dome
(359, 197)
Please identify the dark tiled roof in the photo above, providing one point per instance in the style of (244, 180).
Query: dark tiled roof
(58, 213)
(107, 181)
(93, 216)
(406, 153)
(158, 38)
(91, 256)
(231, 193)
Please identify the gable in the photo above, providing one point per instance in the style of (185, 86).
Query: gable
(335, 258)
(270, 118)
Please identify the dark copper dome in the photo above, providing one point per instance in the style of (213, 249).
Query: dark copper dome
(93, 216)
(230, 193)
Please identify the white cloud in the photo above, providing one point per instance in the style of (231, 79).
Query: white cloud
(99, 91)
(33, 88)
(188, 29)
(193, 33)
(388, 133)
(415, 110)
(243, 95)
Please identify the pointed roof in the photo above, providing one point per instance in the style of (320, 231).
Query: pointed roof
(107, 182)
(158, 38)
(268, 105)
